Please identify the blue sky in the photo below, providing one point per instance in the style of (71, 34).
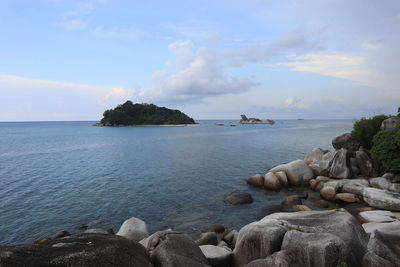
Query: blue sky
(71, 60)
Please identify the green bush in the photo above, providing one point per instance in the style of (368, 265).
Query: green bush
(386, 149)
(365, 129)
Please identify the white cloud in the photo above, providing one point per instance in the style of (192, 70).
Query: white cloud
(74, 24)
(119, 33)
(119, 93)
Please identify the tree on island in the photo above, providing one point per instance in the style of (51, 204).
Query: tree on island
(143, 114)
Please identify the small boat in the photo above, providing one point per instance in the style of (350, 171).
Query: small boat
(233, 125)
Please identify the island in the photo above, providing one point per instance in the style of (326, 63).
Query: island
(130, 114)
(246, 120)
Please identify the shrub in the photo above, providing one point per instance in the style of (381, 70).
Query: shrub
(365, 129)
(386, 149)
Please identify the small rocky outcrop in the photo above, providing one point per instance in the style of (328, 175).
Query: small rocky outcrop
(170, 249)
(297, 172)
(345, 141)
(382, 199)
(364, 163)
(340, 165)
(78, 250)
(315, 156)
(379, 216)
(384, 183)
(238, 197)
(390, 123)
(217, 256)
(256, 180)
(271, 182)
(245, 120)
(133, 229)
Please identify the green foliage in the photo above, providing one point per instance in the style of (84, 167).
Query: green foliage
(144, 114)
(398, 112)
(386, 149)
(342, 264)
(365, 129)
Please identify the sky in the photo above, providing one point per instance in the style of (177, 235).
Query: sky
(212, 59)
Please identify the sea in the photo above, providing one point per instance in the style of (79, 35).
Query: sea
(58, 176)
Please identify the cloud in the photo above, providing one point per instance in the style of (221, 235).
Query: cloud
(74, 24)
(119, 93)
(290, 101)
(118, 33)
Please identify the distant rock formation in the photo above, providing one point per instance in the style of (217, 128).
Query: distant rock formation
(246, 120)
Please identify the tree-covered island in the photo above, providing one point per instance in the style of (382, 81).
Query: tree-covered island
(130, 114)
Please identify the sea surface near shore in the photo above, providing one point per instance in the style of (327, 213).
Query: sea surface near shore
(58, 175)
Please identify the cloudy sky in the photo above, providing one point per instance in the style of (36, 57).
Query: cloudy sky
(213, 59)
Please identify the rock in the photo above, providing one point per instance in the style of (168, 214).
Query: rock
(145, 241)
(323, 204)
(209, 238)
(237, 197)
(339, 167)
(97, 231)
(271, 182)
(364, 163)
(374, 226)
(354, 167)
(320, 180)
(42, 240)
(217, 228)
(354, 188)
(170, 249)
(328, 192)
(379, 216)
(312, 183)
(336, 228)
(389, 176)
(315, 156)
(282, 178)
(256, 180)
(133, 229)
(345, 141)
(382, 199)
(217, 256)
(229, 238)
(326, 162)
(83, 227)
(390, 123)
(317, 249)
(383, 183)
(298, 172)
(222, 244)
(316, 169)
(78, 250)
(383, 247)
(281, 258)
(300, 208)
(347, 197)
(62, 234)
(292, 200)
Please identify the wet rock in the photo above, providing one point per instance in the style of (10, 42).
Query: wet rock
(298, 172)
(133, 229)
(282, 178)
(312, 183)
(95, 250)
(256, 180)
(62, 234)
(42, 240)
(323, 204)
(292, 200)
(229, 238)
(390, 123)
(384, 183)
(382, 199)
(238, 197)
(217, 256)
(271, 182)
(345, 141)
(217, 228)
(347, 197)
(300, 208)
(209, 238)
(170, 249)
(354, 167)
(364, 163)
(328, 192)
(379, 216)
(96, 231)
(314, 157)
(339, 167)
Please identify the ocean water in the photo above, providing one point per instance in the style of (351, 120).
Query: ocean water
(59, 175)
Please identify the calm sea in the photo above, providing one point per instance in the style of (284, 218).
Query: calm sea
(59, 175)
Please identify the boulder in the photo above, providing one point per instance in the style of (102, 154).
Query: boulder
(217, 256)
(62, 234)
(312, 183)
(347, 197)
(390, 123)
(217, 228)
(281, 258)
(78, 250)
(383, 247)
(97, 231)
(300, 208)
(326, 163)
(345, 141)
(256, 180)
(271, 182)
(298, 172)
(170, 249)
(323, 204)
(364, 163)
(238, 197)
(354, 167)
(292, 200)
(379, 216)
(384, 183)
(314, 157)
(340, 165)
(133, 229)
(328, 192)
(382, 199)
(209, 238)
(316, 169)
(282, 178)
(229, 237)
(354, 188)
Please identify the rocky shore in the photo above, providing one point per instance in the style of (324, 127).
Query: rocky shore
(353, 220)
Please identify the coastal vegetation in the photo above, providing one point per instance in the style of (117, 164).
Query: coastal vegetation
(365, 129)
(386, 149)
(143, 114)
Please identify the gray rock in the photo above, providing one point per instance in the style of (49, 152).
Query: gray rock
(378, 216)
(382, 199)
(282, 178)
(229, 237)
(384, 183)
(354, 167)
(347, 197)
(317, 170)
(328, 192)
(237, 197)
(209, 238)
(217, 256)
(364, 163)
(389, 176)
(96, 231)
(390, 123)
(314, 157)
(170, 249)
(326, 163)
(292, 200)
(217, 228)
(383, 247)
(133, 229)
(271, 182)
(340, 165)
(298, 172)
(256, 180)
(78, 250)
(281, 258)
(345, 141)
